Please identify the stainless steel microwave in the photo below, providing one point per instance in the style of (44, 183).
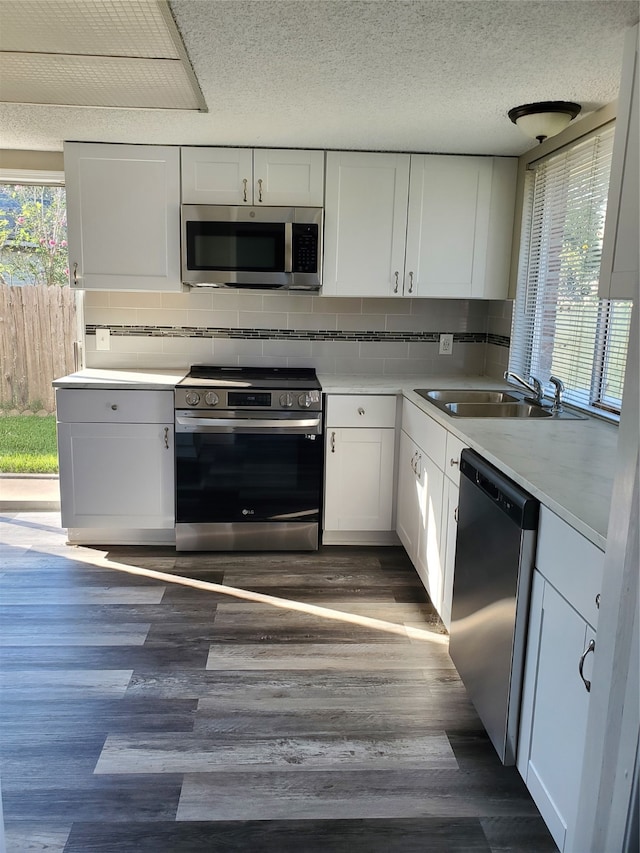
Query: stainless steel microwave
(256, 247)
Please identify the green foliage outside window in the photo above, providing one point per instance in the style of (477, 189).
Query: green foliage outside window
(33, 236)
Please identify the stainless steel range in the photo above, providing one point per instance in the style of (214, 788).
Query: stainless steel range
(249, 455)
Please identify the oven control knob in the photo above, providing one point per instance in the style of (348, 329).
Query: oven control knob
(286, 400)
(304, 401)
(211, 398)
(192, 398)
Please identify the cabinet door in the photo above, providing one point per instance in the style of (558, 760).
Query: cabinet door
(447, 225)
(449, 534)
(619, 268)
(430, 554)
(459, 226)
(123, 211)
(359, 479)
(365, 223)
(288, 178)
(409, 496)
(217, 175)
(554, 709)
(116, 475)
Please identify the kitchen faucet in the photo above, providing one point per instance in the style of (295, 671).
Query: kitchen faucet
(557, 397)
(535, 386)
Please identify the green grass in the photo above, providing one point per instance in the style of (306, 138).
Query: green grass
(28, 444)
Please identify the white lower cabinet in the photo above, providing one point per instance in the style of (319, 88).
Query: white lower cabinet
(116, 474)
(359, 468)
(420, 498)
(555, 699)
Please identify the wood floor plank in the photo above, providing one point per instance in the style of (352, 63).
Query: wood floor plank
(329, 656)
(417, 835)
(381, 793)
(184, 753)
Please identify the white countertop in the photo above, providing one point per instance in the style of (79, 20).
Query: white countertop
(121, 379)
(568, 465)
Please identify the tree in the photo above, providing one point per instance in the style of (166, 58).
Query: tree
(33, 235)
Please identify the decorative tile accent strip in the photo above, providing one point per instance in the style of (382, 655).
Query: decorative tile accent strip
(295, 334)
(499, 340)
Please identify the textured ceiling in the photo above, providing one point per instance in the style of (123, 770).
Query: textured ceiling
(392, 75)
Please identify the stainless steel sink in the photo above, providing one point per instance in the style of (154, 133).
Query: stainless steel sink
(497, 410)
(481, 403)
(461, 396)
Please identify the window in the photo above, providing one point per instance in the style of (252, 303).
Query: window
(560, 326)
(42, 315)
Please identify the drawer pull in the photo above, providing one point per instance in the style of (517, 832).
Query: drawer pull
(244, 194)
(583, 657)
(453, 462)
(395, 276)
(114, 406)
(598, 601)
(333, 442)
(455, 515)
(166, 437)
(361, 411)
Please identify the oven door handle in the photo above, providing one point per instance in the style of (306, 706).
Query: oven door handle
(196, 423)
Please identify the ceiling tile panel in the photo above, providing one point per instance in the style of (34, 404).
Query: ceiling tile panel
(95, 81)
(115, 28)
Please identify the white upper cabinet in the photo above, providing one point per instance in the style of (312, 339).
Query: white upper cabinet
(365, 223)
(619, 268)
(274, 177)
(123, 212)
(418, 225)
(459, 226)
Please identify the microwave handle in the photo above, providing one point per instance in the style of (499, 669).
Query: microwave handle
(288, 247)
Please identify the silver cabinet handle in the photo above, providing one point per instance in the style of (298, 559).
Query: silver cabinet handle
(333, 442)
(453, 462)
(598, 601)
(413, 462)
(361, 411)
(75, 274)
(410, 282)
(455, 515)
(583, 657)
(166, 437)
(418, 461)
(244, 184)
(260, 190)
(395, 287)
(114, 407)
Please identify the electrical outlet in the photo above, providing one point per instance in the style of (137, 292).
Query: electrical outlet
(446, 345)
(103, 339)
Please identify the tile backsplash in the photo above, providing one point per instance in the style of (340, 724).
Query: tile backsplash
(334, 335)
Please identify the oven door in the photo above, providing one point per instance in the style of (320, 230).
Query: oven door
(248, 483)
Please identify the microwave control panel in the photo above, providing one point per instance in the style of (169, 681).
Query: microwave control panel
(305, 248)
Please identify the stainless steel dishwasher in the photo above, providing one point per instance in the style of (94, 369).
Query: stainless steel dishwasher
(495, 552)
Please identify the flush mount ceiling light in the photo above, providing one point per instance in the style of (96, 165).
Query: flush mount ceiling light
(544, 119)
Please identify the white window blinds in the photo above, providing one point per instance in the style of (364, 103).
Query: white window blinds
(560, 325)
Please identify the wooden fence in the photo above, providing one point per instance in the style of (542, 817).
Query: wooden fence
(37, 331)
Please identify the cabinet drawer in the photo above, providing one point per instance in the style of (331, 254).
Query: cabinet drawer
(123, 407)
(572, 564)
(361, 410)
(452, 458)
(427, 433)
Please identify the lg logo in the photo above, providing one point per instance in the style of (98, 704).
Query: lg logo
(248, 512)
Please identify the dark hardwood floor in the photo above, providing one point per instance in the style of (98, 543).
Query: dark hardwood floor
(164, 703)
